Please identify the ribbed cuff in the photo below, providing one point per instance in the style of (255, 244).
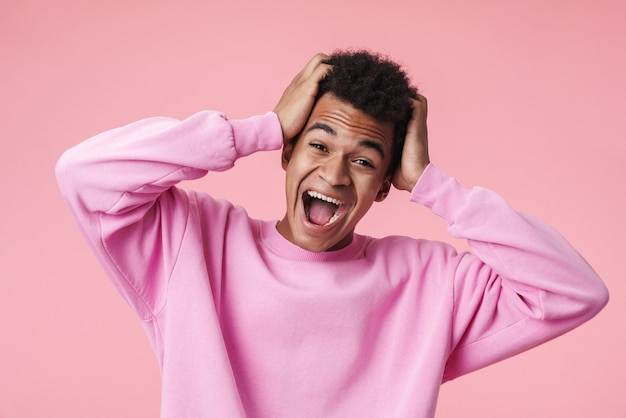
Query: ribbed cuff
(440, 193)
(257, 133)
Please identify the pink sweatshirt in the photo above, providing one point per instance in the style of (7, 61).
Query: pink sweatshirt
(245, 324)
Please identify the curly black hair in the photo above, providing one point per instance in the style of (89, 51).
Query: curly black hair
(376, 86)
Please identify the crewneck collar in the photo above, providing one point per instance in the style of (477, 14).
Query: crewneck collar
(276, 243)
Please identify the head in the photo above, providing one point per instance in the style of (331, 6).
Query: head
(376, 86)
(344, 158)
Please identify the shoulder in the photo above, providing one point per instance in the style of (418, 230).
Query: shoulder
(426, 266)
(403, 244)
(214, 208)
(397, 250)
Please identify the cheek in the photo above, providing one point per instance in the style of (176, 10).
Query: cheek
(293, 178)
(300, 167)
(366, 194)
(373, 183)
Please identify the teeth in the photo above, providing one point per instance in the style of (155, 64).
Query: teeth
(333, 219)
(320, 196)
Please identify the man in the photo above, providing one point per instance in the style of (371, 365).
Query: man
(303, 317)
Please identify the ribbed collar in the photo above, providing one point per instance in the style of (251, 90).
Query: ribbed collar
(272, 240)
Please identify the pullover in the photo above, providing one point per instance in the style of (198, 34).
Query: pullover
(246, 324)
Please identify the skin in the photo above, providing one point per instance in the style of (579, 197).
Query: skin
(343, 154)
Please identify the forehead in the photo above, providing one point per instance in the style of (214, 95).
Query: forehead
(346, 120)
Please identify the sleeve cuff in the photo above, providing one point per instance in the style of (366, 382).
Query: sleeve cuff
(257, 133)
(440, 193)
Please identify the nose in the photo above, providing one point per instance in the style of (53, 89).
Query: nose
(335, 171)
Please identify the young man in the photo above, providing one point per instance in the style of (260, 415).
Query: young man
(303, 317)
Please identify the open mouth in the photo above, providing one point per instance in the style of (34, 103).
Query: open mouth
(321, 210)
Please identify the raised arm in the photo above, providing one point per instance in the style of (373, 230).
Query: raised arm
(130, 166)
(523, 283)
(119, 186)
(160, 152)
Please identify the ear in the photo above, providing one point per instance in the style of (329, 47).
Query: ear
(384, 190)
(286, 154)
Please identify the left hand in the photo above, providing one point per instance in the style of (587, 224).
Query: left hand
(415, 156)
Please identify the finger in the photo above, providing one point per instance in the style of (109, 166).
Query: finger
(320, 72)
(420, 103)
(421, 99)
(313, 64)
(419, 109)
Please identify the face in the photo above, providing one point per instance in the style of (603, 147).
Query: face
(334, 172)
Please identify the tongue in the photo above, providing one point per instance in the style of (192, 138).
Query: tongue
(320, 212)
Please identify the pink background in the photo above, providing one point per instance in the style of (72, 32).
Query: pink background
(525, 98)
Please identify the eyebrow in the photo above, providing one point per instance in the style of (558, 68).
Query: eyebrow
(368, 143)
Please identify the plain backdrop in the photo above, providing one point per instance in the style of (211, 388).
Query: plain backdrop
(525, 97)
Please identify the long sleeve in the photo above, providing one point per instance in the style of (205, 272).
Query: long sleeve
(119, 187)
(523, 285)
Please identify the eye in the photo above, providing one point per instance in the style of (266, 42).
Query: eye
(318, 146)
(364, 163)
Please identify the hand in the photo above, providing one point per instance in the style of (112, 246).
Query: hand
(296, 103)
(415, 152)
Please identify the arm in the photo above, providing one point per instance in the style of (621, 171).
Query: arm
(522, 285)
(132, 165)
(119, 187)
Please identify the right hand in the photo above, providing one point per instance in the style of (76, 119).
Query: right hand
(295, 105)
